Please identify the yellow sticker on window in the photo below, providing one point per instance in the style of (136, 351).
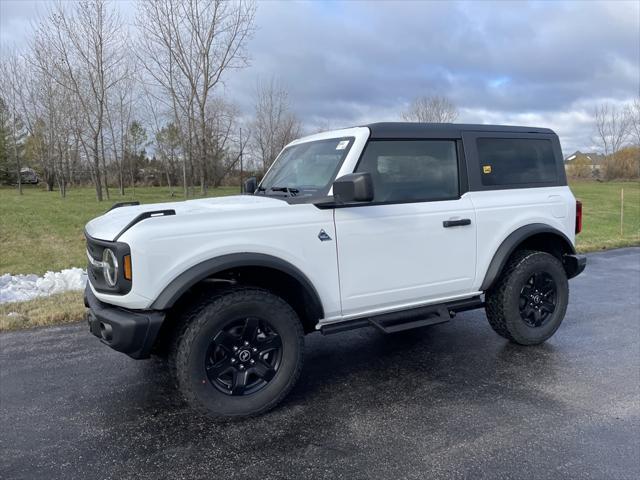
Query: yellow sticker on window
(486, 169)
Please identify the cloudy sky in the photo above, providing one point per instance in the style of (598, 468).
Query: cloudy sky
(527, 63)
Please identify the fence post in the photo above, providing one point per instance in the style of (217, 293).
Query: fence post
(622, 212)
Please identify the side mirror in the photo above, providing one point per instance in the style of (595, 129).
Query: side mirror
(250, 185)
(353, 188)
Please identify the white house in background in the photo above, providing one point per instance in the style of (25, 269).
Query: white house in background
(594, 160)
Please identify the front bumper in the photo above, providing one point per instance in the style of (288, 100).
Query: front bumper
(128, 331)
(574, 265)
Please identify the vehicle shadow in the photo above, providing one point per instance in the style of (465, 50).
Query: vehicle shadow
(360, 374)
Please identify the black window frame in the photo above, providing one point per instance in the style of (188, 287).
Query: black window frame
(460, 166)
(470, 145)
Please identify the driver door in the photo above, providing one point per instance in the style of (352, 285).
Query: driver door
(416, 242)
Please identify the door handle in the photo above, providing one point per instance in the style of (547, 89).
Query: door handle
(456, 223)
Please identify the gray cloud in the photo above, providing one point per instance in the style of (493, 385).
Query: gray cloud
(544, 63)
(499, 61)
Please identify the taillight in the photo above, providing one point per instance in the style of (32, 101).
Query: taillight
(578, 216)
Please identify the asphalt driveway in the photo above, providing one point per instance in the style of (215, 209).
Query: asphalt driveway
(449, 401)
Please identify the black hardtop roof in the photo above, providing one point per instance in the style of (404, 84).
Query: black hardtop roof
(432, 130)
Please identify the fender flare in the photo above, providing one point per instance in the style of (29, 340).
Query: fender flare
(515, 238)
(187, 279)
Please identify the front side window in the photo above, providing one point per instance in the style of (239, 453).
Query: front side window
(411, 170)
(515, 161)
(306, 169)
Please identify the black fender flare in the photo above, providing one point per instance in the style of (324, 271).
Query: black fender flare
(508, 246)
(187, 279)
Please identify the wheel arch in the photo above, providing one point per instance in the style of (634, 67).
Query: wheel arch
(536, 236)
(309, 306)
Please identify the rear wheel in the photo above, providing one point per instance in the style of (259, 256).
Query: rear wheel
(528, 302)
(240, 354)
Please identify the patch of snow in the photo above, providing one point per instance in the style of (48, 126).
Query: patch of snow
(20, 288)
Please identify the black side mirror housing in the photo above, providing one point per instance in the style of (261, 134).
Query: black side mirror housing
(353, 188)
(250, 185)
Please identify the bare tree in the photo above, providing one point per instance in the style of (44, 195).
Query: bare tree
(431, 109)
(186, 48)
(88, 43)
(633, 117)
(49, 109)
(11, 74)
(167, 142)
(226, 142)
(118, 114)
(612, 128)
(612, 125)
(137, 136)
(274, 125)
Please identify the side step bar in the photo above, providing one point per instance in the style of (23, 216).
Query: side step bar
(407, 319)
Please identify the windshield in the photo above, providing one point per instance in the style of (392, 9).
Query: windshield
(306, 169)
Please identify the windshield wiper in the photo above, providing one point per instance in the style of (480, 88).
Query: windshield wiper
(291, 191)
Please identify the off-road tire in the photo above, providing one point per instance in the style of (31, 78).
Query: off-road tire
(502, 299)
(202, 322)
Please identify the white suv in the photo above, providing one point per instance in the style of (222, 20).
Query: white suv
(393, 225)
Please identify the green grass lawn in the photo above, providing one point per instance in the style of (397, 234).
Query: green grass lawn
(601, 214)
(41, 231)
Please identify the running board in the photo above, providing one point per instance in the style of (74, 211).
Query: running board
(415, 318)
(407, 319)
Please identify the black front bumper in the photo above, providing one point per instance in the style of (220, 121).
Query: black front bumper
(128, 331)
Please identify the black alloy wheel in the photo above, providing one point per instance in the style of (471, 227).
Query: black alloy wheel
(538, 299)
(528, 302)
(244, 356)
(240, 352)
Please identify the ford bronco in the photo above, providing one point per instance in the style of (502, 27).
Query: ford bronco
(390, 225)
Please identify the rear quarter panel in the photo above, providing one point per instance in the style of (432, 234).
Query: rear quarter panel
(500, 212)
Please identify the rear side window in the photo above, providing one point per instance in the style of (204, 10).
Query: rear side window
(411, 170)
(512, 161)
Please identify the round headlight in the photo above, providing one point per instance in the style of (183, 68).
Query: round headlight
(110, 267)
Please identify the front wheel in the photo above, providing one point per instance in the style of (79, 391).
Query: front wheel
(528, 302)
(240, 354)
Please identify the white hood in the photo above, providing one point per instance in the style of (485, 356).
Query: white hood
(111, 224)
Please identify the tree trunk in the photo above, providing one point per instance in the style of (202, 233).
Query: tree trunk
(96, 166)
(49, 179)
(203, 152)
(104, 166)
(184, 178)
(132, 162)
(18, 167)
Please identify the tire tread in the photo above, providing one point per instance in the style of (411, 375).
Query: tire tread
(496, 297)
(195, 319)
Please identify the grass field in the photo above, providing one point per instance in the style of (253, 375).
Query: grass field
(40, 231)
(54, 310)
(601, 214)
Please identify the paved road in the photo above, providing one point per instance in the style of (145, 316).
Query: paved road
(450, 401)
